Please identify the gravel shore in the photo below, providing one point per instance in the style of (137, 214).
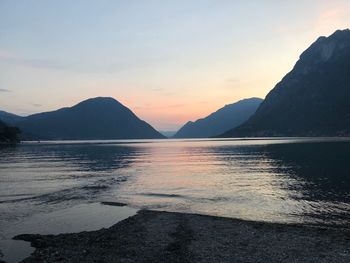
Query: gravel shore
(152, 236)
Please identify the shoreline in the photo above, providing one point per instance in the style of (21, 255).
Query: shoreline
(154, 236)
(77, 218)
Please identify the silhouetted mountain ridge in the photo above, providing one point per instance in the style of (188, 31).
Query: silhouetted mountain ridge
(9, 118)
(229, 116)
(311, 100)
(96, 118)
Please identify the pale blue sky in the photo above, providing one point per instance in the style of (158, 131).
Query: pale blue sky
(169, 61)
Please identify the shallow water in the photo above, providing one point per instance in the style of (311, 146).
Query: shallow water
(301, 180)
(84, 217)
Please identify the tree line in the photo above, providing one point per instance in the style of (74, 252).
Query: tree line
(8, 134)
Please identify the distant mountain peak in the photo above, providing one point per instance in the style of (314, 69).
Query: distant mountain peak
(9, 118)
(313, 99)
(95, 118)
(325, 47)
(99, 100)
(229, 116)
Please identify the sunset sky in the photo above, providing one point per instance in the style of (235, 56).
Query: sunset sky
(168, 61)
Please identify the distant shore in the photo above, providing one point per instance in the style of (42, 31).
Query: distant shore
(152, 236)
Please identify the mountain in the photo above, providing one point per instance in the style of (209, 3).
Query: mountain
(311, 100)
(168, 134)
(97, 118)
(220, 121)
(9, 118)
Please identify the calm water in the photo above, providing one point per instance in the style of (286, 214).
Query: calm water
(283, 180)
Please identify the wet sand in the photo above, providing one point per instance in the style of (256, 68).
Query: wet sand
(152, 236)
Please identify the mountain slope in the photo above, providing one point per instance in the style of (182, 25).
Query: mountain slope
(9, 118)
(223, 119)
(311, 100)
(97, 118)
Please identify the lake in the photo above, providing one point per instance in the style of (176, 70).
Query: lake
(54, 184)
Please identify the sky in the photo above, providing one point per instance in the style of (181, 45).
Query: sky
(168, 61)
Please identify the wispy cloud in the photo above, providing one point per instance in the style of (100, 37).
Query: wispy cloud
(34, 63)
(334, 15)
(5, 90)
(163, 92)
(233, 80)
(80, 66)
(157, 89)
(36, 105)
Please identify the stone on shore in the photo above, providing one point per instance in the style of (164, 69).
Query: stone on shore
(152, 236)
